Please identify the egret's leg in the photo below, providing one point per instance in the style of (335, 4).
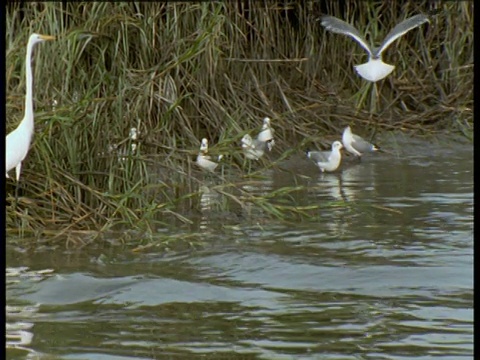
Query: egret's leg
(16, 192)
(18, 170)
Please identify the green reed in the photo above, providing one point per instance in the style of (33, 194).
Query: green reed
(180, 71)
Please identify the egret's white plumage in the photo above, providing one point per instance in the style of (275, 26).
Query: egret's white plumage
(355, 144)
(204, 160)
(327, 160)
(375, 69)
(18, 141)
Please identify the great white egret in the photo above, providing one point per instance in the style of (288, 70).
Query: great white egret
(375, 69)
(204, 160)
(253, 148)
(356, 145)
(266, 134)
(18, 141)
(327, 160)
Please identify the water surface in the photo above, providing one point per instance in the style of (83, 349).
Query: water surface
(384, 271)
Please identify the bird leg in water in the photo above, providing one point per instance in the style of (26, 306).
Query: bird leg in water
(373, 105)
(374, 100)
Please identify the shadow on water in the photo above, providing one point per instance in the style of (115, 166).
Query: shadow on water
(383, 271)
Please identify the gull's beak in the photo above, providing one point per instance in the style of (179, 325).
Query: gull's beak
(47, 37)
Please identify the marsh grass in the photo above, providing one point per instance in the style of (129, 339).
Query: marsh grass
(180, 71)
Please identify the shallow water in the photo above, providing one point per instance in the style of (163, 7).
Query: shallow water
(385, 273)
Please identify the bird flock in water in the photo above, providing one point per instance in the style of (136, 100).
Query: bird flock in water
(18, 141)
(326, 160)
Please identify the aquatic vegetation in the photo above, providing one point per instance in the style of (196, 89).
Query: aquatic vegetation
(178, 72)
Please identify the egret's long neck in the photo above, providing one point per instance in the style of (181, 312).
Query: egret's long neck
(28, 119)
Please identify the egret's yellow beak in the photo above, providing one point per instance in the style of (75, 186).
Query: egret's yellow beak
(47, 37)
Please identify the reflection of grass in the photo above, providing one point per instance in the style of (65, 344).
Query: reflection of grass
(182, 71)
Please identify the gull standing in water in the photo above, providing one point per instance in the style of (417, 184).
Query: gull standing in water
(204, 160)
(375, 69)
(133, 136)
(253, 148)
(356, 145)
(121, 149)
(266, 134)
(327, 160)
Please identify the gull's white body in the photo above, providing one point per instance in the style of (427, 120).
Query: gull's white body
(327, 160)
(253, 148)
(18, 141)
(266, 134)
(133, 136)
(123, 151)
(355, 144)
(375, 69)
(203, 159)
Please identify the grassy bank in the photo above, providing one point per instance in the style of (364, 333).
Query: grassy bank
(182, 71)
